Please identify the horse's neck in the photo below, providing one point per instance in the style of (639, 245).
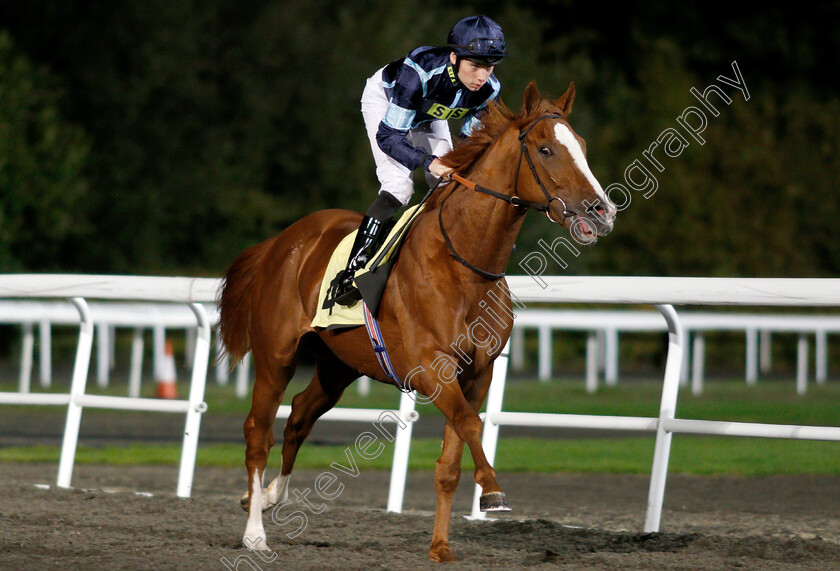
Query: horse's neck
(482, 228)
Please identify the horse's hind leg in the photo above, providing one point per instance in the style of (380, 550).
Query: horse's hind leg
(323, 392)
(271, 381)
(325, 389)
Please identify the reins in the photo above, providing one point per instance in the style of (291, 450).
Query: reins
(513, 200)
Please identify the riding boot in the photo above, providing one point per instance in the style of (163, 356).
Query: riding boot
(365, 245)
(368, 240)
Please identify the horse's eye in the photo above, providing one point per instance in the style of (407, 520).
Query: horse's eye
(545, 151)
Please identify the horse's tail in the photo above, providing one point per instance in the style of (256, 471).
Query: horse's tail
(234, 301)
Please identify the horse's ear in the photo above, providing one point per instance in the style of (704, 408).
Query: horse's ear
(564, 102)
(531, 98)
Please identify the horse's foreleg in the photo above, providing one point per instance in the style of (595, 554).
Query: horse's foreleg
(467, 425)
(465, 421)
(259, 438)
(447, 474)
(476, 393)
(448, 471)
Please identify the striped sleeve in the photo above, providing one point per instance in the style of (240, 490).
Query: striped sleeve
(407, 92)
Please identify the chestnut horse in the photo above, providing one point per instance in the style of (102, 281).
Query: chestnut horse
(452, 256)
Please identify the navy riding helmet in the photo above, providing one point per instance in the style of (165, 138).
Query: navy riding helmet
(479, 39)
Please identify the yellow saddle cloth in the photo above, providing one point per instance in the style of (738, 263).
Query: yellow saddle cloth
(348, 316)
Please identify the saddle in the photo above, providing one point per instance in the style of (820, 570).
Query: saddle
(370, 280)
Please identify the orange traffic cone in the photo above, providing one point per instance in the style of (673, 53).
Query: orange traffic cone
(166, 388)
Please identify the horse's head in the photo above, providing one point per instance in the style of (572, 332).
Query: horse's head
(553, 168)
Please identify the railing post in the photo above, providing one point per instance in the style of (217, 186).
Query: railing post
(45, 352)
(765, 351)
(490, 434)
(103, 354)
(667, 410)
(821, 357)
(591, 382)
(802, 364)
(687, 357)
(222, 363)
(158, 350)
(243, 376)
(135, 375)
(545, 353)
(517, 357)
(752, 356)
(26, 350)
(77, 388)
(698, 356)
(201, 358)
(402, 447)
(611, 357)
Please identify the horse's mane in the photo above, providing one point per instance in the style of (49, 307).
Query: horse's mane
(497, 119)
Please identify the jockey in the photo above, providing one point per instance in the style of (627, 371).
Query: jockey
(405, 106)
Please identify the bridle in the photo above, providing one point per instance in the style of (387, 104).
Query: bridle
(513, 200)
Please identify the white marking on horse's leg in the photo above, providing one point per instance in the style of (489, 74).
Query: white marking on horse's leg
(276, 492)
(254, 537)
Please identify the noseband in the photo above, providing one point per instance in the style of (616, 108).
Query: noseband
(512, 200)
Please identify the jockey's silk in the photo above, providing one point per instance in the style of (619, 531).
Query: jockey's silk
(424, 87)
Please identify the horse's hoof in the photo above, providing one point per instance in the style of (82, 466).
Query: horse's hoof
(245, 500)
(493, 502)
(257, 544)
(441, 554)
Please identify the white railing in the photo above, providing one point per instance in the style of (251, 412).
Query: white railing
(604, 326)
(663, 293)
(77, 288)
(195, 292)
(660, 292)
(77, 399)
(192, 291)
(106, 316)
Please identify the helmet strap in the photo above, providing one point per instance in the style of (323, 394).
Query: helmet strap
(457, 68)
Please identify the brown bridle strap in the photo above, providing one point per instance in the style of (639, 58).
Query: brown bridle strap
(512, 200)
(515, 200)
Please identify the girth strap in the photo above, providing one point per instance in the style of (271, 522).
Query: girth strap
(379, 349)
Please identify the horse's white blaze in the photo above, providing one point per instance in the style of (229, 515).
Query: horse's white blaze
(567, 139)
(254, 537)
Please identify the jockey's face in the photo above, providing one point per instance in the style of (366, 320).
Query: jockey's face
(473, 75)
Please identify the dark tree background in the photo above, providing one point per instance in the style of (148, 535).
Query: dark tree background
(163, 137)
